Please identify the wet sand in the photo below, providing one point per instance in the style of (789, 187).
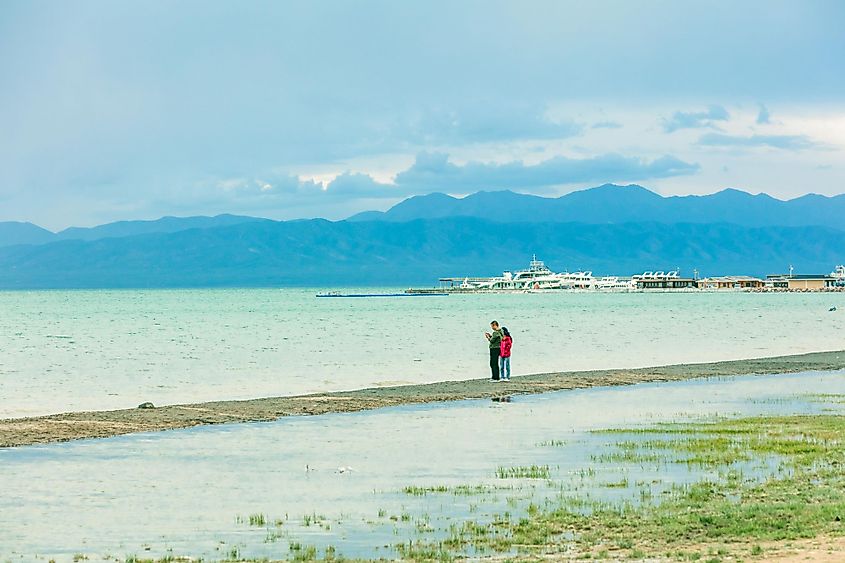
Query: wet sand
(102, 424)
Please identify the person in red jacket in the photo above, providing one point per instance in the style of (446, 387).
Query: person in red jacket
(505, 355)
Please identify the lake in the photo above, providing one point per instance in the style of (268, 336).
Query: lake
(91, 350)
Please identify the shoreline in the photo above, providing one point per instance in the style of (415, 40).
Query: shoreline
(103, 424)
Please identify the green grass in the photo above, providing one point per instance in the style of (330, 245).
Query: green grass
(523, 472)
(257, 520)
(551, 443)
(422, 491)
(728, 516)
(765, 480)
(825, 398)
(423, 551)
(621, 484)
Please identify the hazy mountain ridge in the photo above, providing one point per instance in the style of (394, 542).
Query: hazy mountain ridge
(322, 253)
(12, 232)
(604, 204)
(17, 232)
(615, 230)
(620, 204)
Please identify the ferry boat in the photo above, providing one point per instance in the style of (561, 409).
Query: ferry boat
(537, 277)
(614, 283)
(577, 280)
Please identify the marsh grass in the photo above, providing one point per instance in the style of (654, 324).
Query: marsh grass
(458, 490)
(760, 480)
(726, 516)
(621, 484)
(551, 443)
(423, 551)
(422, 491)
(523, 472)
(300, 552)
(826, 398)
(257, 520)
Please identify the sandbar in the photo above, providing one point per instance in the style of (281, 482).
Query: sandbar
(64, 427)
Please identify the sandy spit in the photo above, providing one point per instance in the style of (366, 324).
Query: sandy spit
(101, 424)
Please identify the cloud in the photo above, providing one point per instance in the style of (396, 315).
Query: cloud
(785, 142)
(763, 117)
(353, 185)
(290, 190)
(483, 122)
(100, 120)
(607, 125)
(695, 119)
(435, 172)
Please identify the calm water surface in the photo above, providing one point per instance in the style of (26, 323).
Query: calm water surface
(80, 350)
(190, 492)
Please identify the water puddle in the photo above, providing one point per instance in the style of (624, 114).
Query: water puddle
(366, 484)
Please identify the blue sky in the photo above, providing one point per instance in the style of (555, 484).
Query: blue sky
(121, 110)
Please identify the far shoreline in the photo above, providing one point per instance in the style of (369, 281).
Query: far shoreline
(65, 427)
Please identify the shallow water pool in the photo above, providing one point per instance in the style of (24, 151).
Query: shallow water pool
(340, 480)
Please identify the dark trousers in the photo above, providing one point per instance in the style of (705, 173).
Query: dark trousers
(494, 362)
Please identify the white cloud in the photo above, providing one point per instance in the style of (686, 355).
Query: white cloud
(696, 119)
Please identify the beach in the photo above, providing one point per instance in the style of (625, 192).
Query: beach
(103, 424)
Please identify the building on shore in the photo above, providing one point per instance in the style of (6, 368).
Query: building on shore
(731, 282)
(800, 281)
(838, 275)
(661, 280)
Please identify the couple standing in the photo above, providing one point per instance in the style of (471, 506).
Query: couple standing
(500, 351)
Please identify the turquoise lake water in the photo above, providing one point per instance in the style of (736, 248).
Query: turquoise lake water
(81, 350)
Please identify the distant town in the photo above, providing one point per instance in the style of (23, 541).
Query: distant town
(539, 278)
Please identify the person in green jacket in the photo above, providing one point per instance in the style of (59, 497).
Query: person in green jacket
(495, 339)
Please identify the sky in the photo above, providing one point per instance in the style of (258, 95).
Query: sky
(136, 110)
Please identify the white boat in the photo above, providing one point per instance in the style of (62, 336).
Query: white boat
(537, 276)
(577, 280)
(614, 283)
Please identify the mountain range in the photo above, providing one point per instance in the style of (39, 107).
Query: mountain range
(623, 204)
(321, 253)
(601, 205)
(609, 230)
(14, 232)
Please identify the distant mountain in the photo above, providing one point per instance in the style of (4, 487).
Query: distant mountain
(14, 232)
(27, 233)
(607, 204)
(320, 253)
(163, 225)
(621, 204)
